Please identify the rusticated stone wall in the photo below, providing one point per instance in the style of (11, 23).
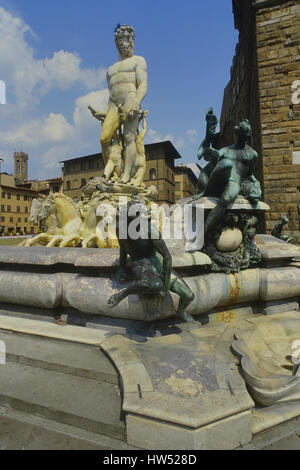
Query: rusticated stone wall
(241, 99)
(278, 60)
(265, 87)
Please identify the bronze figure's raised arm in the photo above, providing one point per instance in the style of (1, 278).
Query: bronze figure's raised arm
(230, 170)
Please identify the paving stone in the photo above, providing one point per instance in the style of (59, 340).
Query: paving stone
(60, 356)
(83, 403)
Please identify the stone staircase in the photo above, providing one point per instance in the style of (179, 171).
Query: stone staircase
(58, 394)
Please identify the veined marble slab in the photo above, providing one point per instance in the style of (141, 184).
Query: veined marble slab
(86, 257)
(273, 248)
(239, 204)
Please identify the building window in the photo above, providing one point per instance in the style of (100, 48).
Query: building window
(18, 166)
(2, 208)
(8, 196)
(18, 197)
(19, 219)
(3, 195)
(68, 185)
(31, 230)
(11, 219)
(18, 208)
(25, 198)
(26, 210)
(152, 174)
(2, 218)
(8, 208)
(26, 220)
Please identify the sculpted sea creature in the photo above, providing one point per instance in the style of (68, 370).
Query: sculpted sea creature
(277, 230)
(76, 225)
(268, 360)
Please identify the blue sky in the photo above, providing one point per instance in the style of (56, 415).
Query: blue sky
(54, 55)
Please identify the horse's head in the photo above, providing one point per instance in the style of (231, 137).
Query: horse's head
(36, 207)
(48, 208)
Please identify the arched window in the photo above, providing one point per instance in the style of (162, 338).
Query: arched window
(83, 182)
(18, 166)
(152, 174)
(68, 184)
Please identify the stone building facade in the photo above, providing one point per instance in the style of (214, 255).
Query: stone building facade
(16, 195)
(160, 171)
(77, 171)
(15, 204)
(265, 87)
(185, 182)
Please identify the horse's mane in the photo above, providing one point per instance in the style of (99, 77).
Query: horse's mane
(66, 198)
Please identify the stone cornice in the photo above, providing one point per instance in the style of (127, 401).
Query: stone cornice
(259, 4)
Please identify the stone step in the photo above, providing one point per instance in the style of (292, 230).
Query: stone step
(22, 431)
(81, 402)
(61, 356)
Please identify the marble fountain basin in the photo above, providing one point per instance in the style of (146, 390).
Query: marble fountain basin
(270, 357)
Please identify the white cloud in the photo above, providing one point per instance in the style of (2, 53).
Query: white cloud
(29, 78)
(49, 136)
(97, 99)
(191, 133)
(178, 143)
(53, 156)
(155, 136)
(33, 133)
(80, 137)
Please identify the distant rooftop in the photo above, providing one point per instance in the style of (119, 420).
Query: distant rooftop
(167, 144)
(19, 188)
(187, 169)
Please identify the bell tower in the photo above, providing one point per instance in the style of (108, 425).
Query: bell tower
(21, 165)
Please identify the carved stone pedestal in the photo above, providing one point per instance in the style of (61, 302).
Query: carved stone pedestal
(231, 245)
